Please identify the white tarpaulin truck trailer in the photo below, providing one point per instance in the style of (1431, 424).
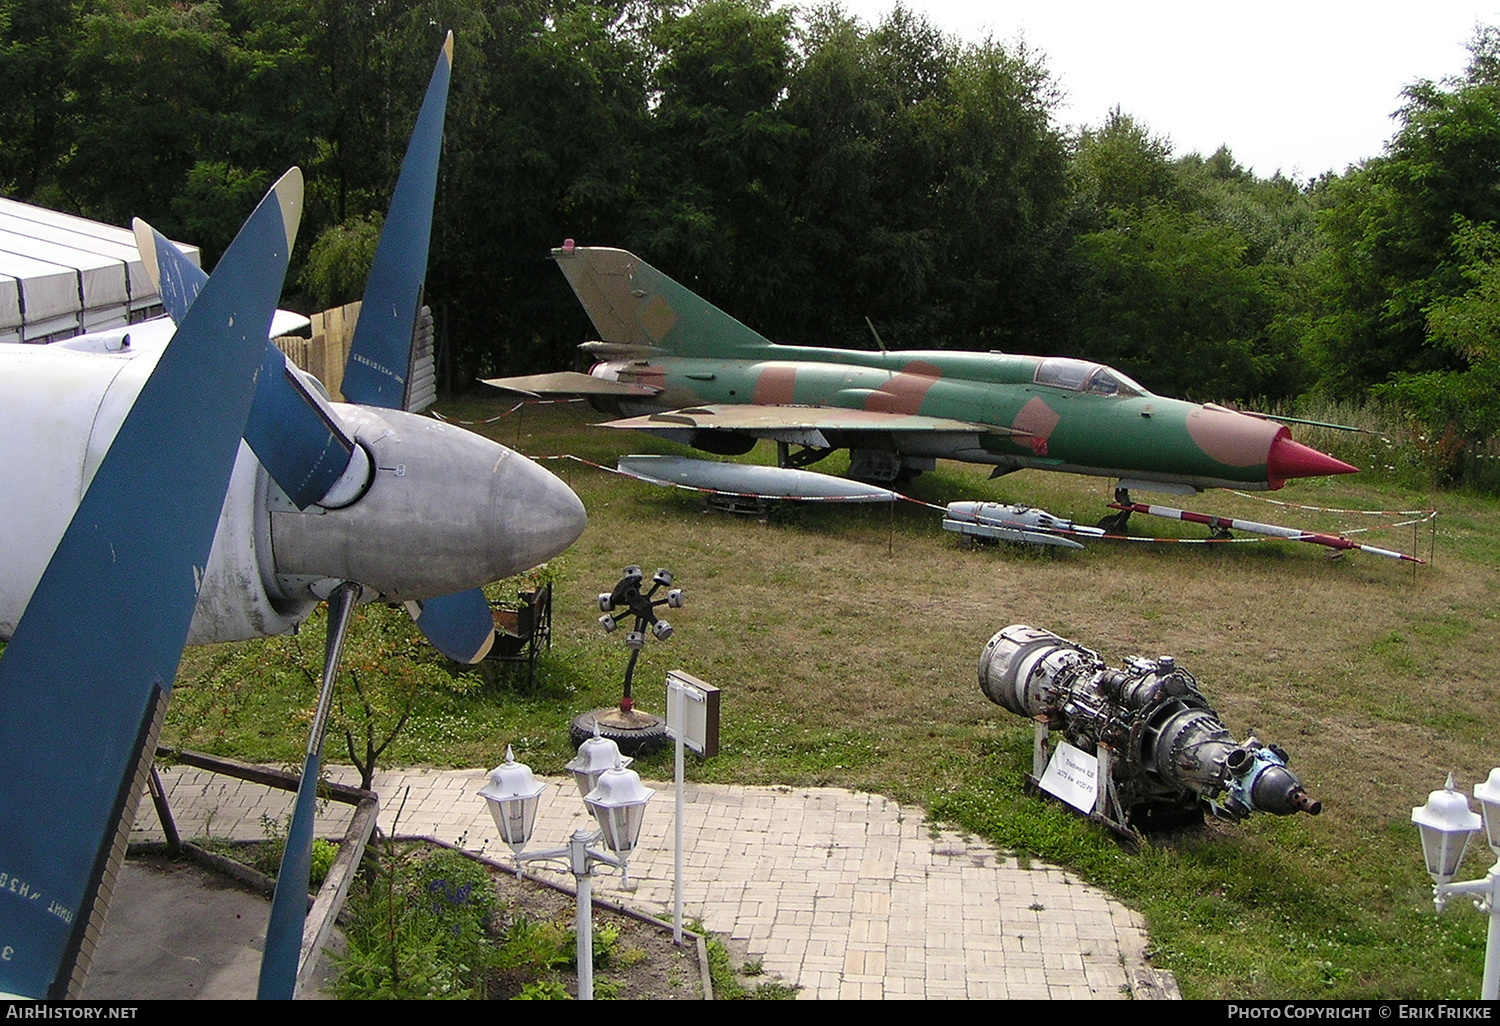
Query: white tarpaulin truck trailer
(62, 275)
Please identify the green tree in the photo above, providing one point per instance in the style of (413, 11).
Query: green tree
(37, 42)
(1002, 203)
(928, 190)
(1169, 298)
(1461, 408)
(149, 92)
(716, 172)
(1391, 249)
(1121, 166)
(339, 262)
(550, 148)
(1189, 271)
(181, 113)
(1276, 217)
(864, 103)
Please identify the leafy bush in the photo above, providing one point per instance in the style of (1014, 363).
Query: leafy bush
(544, 990)
(340, 260)
(420, 930)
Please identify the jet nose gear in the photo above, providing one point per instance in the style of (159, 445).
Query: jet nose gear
(1118, 523)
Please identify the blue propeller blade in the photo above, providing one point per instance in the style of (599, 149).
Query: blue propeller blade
(293, 432)
(88, 671)
(380, 356)
(178, 279)
(460, 625)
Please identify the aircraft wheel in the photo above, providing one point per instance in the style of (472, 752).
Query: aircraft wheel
(636, 732)
(1117, 523)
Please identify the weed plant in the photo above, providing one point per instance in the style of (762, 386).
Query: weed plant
(420, 930)
(1391, 447)
(729, 985)
(267, 854)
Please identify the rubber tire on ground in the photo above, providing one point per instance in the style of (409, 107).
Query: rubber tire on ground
(649, 737)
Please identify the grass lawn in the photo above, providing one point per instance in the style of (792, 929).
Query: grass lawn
(846, 641)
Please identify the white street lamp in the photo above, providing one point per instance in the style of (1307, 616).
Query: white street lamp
(595, 755)
(513, 794)
(1447, 824)
(1488, 794)
(617, 801)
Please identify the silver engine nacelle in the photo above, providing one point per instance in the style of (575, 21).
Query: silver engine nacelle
(441, 510)
(444, 510)
(1171, 748)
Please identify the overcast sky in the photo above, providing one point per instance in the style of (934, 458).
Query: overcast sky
(1301, 88)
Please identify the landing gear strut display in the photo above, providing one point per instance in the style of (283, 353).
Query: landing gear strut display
(1143, 747)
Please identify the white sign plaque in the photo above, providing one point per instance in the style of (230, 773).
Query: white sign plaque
(693, 712)
(1073, 776)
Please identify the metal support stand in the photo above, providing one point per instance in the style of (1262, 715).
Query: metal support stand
(1486, 895)
(677, 856)
(1039, 749)
(1108, 809)
(164, 812)
(581, 861)
(280, 967)
(1107, 800)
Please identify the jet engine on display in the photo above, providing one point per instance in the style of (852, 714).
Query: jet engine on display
(1142, 742)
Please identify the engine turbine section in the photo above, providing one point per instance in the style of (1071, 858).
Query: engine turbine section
(1163, 751)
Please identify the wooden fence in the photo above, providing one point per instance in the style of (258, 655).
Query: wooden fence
(325, 354)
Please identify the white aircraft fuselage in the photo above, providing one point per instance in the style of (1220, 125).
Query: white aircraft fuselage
(443, 509)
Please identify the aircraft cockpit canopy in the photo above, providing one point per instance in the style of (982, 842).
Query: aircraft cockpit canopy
(1084, 376)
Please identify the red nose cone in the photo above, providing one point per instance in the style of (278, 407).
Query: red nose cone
(1288, 459)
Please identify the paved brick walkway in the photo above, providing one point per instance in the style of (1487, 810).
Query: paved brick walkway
(848, 895)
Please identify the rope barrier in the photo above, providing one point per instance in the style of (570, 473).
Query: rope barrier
(1426, 515)
(1397, 523)
(507, 413)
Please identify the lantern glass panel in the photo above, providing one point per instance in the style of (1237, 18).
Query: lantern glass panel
(1443, 850)
(515, 818)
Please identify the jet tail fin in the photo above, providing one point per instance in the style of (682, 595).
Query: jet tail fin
(633, 304)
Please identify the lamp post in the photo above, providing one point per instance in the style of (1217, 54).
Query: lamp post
(1447, 825)
(617, 801)
(596, 756)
